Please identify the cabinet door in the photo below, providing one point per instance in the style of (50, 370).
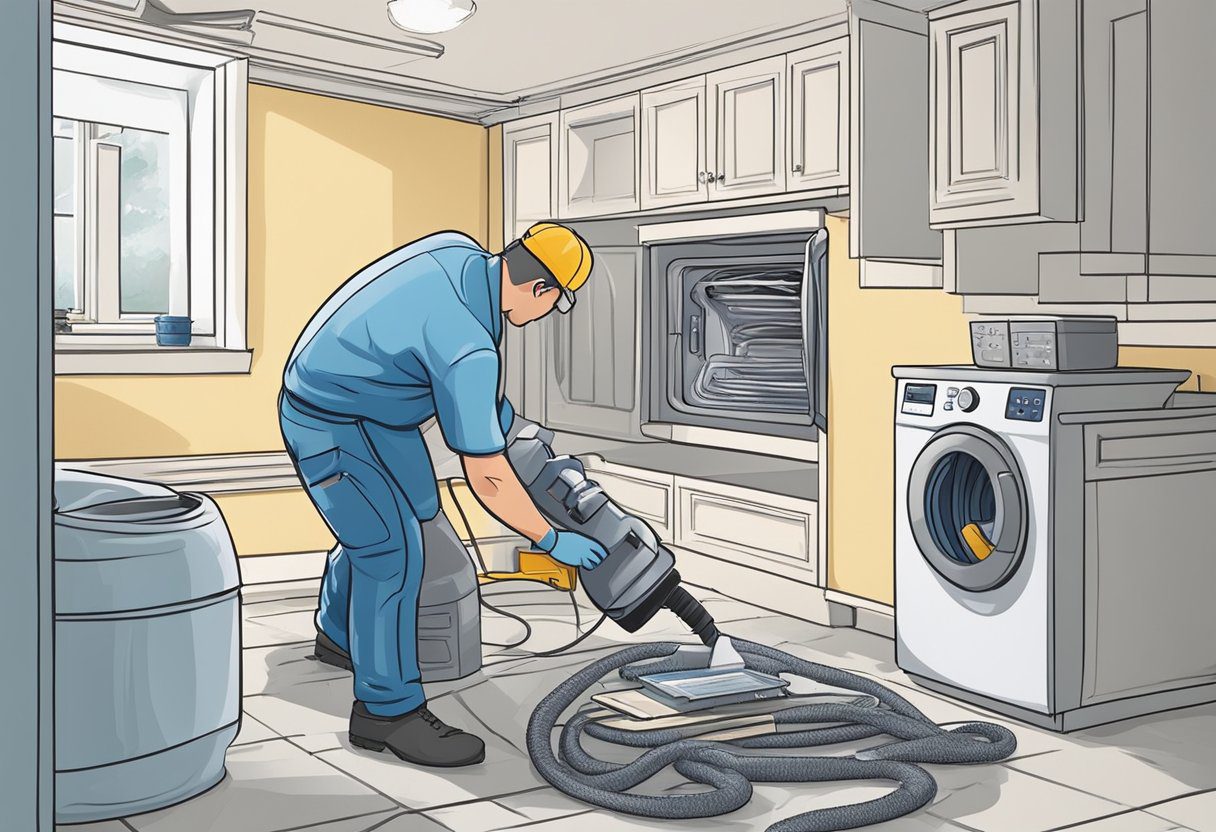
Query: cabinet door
(977, 121)
(1182, 166)
(673, 144)
(747, 113)
(592, 352)
(598, 163)
(1005, 127)
(819, 116)
(529, 167)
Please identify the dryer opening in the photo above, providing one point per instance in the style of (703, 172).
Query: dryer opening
(961, 508)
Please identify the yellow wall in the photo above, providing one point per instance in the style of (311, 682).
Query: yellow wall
(332, 185)
(869, 331)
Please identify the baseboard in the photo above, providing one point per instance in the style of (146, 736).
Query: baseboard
(208, 474)
(868, 615)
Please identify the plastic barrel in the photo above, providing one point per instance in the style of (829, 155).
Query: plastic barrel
(147, 646)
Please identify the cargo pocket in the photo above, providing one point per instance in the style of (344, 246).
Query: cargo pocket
(339, 484)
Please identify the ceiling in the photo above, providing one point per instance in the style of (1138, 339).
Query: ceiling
(511, 47)
(509, 53)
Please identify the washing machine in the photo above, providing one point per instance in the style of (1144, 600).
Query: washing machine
(1027, 506)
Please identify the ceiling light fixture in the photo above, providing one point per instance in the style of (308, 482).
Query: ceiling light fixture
(429, 17)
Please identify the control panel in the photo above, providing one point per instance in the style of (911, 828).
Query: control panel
(990, 343)
(918, 399)
(1025, 404)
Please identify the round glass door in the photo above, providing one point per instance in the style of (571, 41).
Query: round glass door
(967, 507)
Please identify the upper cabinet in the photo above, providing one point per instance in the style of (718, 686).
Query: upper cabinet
(775, 126)
(598, 158)
(673, 144)
(529, 166)
(1182, 165)
(818, 150)
(1004, 123)
(747, 111)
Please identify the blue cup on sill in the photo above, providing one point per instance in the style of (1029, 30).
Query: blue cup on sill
(173, 330)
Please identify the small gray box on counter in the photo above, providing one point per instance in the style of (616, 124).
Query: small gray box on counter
(1073, 343)
(990, 343)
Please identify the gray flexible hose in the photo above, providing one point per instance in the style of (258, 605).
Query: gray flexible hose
(729, 771)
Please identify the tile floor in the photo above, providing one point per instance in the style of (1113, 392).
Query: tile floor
(292, 768)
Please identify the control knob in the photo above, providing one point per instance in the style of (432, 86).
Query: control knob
(968, 399)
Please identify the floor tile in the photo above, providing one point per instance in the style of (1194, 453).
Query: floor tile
(1196, 812)
(482, 816)
(277, 668)
(1113, 773)
(253, 731)
(297, 624)
(411, 822)
(100, 826)
(319, 707)
(270, 786)
(1004, 800)
(544, 804)
(1129, 822)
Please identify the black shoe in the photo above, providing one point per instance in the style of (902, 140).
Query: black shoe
(329, 652)
(418, 737)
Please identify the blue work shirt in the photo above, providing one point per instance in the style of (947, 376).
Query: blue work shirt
(411, 336)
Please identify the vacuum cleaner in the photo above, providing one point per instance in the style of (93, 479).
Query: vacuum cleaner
(634, 583)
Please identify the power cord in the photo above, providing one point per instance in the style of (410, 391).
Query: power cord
(468, 529)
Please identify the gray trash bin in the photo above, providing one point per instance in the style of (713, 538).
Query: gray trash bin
(147, 646)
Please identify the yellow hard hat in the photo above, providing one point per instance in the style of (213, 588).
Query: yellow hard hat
(564, 254)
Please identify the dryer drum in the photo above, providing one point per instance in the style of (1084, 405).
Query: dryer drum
(967, 507)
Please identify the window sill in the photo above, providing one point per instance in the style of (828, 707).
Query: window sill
(100, 360)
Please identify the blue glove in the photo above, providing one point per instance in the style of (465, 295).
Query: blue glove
(572, 549)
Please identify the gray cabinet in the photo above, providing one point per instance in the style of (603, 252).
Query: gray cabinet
(889, 135)
(1182, 164)
(1004, 112)
(598, 161)
(818, 149)
(747, 114)
(591, 354)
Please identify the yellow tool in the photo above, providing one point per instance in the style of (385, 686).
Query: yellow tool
(977, 541)
(539, 567)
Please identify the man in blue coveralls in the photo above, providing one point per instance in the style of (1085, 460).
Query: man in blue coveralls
(413, 336)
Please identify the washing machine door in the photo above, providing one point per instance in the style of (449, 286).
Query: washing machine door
(967, 507)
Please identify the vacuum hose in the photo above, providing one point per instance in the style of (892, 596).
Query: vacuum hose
(636, 580)
(727, 767)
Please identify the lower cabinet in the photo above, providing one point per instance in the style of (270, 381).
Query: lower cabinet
(770, 532)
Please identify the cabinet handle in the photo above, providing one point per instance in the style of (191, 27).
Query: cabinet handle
(709, 177)
(721, 178)
(694, 334)
(797, 168)
(701, 177)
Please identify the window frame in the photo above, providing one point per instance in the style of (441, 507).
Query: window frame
(208, 92)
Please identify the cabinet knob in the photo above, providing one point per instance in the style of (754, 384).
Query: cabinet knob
(709, 176)
(701, 177)
(797, 168)
(721, 178)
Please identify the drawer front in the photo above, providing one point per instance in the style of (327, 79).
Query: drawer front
(767, 531)
(1150, 448)
(649, 496)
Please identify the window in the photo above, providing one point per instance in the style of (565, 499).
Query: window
(149, 200)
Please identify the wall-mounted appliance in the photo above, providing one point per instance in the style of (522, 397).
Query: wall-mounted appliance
(737, 325)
